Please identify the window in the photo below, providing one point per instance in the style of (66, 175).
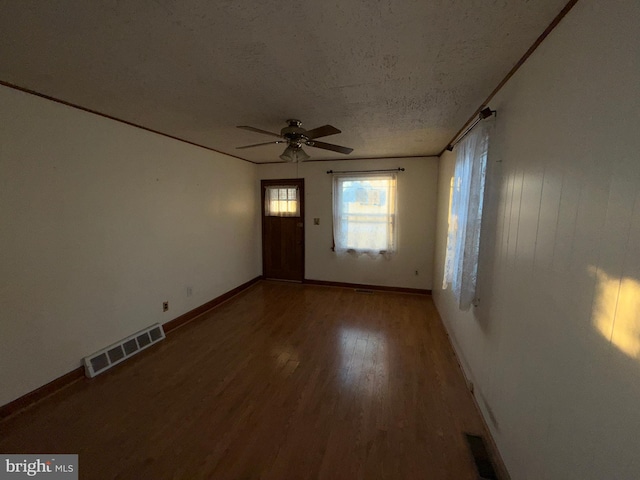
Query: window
(364, 213)
(465, 215)
(281, 201)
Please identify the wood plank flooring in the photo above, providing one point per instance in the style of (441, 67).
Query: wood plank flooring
(284, 381)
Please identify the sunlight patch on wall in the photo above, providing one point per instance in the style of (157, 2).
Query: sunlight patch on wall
(616, 311)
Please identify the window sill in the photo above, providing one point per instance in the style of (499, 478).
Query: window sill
(358, 252)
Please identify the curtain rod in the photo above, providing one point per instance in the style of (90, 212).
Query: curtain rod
(369, 171)
(554, 23)
(484, 113)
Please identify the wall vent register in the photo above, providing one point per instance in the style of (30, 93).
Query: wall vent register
(112, 355)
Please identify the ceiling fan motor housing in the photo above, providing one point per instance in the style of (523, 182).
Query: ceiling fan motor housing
(294, 133)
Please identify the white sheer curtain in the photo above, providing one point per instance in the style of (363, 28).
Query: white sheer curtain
(364, 213)
(465, 215)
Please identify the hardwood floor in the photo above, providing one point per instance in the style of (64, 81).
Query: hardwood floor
(284, 381)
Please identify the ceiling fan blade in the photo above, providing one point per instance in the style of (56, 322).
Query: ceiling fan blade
(330, 146)
(260, 144)
(323, 131)
(258, 130)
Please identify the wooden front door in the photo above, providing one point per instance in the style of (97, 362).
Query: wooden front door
(283, 229)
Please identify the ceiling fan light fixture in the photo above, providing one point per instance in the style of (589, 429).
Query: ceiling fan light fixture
(302, 155)
(294, 154)
(288, 155)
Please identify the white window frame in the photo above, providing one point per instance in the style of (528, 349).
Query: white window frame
(344, 216)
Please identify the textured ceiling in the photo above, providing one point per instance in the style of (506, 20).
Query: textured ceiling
(398, 77)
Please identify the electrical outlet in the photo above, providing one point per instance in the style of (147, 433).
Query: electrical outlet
(165, 306)
(189, 291)
(417, 272)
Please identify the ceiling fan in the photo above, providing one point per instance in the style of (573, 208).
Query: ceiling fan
(295, 137)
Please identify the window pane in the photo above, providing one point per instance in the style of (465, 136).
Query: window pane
(281, 201)
(364, 213)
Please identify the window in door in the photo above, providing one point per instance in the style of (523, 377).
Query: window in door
(281, 201)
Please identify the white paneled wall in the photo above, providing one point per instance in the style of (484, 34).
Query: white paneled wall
(554, 348)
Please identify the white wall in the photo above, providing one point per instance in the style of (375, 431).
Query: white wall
(101, 223)
(416, 223)
(554, 348)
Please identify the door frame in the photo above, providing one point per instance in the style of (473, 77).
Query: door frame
(298, 182)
